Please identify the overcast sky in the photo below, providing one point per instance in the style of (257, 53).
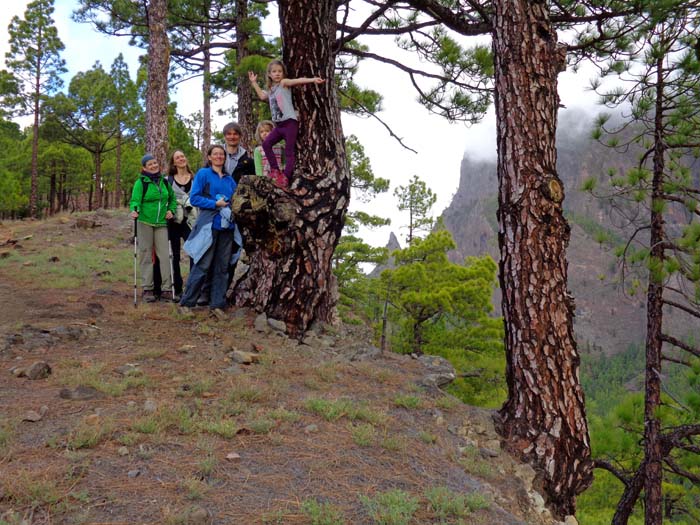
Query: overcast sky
(440, 145)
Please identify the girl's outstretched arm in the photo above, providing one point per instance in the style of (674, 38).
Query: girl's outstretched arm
(289, 82)
(262, 95)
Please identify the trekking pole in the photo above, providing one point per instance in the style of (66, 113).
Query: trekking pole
(172, 268)
(135, 250)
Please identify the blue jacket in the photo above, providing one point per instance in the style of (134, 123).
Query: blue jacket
(206, 200)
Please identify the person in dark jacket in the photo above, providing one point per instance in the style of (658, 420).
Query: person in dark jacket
(238, 162)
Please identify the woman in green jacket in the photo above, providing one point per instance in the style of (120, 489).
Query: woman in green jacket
(153, 204)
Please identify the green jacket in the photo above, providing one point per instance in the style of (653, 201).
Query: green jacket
(154, 203)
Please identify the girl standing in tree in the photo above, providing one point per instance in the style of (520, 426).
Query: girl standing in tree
(283, 114)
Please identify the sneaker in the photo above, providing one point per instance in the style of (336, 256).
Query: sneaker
(279, 178)
(148, 296)
(185, 311)
(203, 301)
(218, 313)
(177, 297)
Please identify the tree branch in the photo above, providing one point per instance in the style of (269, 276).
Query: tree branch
(374, 115)
(680, 344)
(695, 312)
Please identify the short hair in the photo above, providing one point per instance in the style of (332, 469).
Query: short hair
(207, 162)
(262, 124)
(233, 126)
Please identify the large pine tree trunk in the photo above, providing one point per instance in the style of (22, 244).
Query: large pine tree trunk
(206, 96)
(543, 419)
(291, 235)
(653, 456)
(157, 87)
(118, 170)
(246, 119)
(52, 189)
(98, 179)
(34, 189)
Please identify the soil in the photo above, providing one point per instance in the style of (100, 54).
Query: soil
(148, 420)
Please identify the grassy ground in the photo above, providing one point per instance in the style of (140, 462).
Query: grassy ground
(175, 433)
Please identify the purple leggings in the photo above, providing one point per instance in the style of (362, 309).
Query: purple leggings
(286, 130)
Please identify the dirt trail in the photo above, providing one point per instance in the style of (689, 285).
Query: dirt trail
(148, 419)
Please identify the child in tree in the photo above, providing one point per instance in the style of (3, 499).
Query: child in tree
(262, 165)
(283, 113)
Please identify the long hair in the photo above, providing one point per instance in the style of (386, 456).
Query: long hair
(172, 169)
(263, 124)
(212, 148)
(269, 67)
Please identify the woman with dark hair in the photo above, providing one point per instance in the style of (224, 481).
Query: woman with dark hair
(211, 240)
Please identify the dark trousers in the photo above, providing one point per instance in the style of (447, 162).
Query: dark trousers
(176, 233)
(286, 130)
(216, 259)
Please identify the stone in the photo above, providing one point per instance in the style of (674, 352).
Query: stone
(18, 371)
(526, 473)
(310, 429)
(150, 405)
(198, 516)
(244, 358)
(233, 370)
(123, 451)
(440, 371)
(38, 370)
(233, 456)
(80, 393)
(260, 324)
(54, 259)
(86, 224)
(185, 349)
(537, 502)
(134, 473)
(488, 453)
(131, 405)
(33, 416)
(127, 369)
(278, 325)
(95, 308)
(366, 353)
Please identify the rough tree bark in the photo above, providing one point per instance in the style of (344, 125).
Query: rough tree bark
(543, 420)
(206, 95)
(36, 96)
(118, 170)
(290, 235)
(97, 155)
(157, 87)
(244, 92)
(653, 457)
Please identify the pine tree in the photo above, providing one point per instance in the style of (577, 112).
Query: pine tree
(87, 116)
(126, 115)
(417, 199)
(662, 72)
(34, 59)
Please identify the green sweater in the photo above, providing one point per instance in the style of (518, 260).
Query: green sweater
(155, 202)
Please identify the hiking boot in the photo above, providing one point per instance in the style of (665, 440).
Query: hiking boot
(203, 301)
(168, 297)
(148, 296)
(218, 313)
(185, 311)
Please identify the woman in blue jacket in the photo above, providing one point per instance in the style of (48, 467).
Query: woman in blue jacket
(211, 240)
